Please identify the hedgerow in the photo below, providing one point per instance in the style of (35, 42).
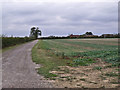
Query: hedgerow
(10, 41)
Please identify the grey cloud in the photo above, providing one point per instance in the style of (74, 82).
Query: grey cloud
(59, 18)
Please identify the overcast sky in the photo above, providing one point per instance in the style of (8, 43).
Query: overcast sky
(59, 18)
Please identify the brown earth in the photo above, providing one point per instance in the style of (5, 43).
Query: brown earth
(86, 76)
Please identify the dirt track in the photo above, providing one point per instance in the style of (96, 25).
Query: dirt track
(19, 70)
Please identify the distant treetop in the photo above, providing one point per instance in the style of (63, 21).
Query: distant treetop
(89, 33)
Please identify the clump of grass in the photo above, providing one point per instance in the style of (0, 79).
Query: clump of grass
(102, 87)
(111, 74)
(45, 71)
(52, 78)
(115, 82)
(93, 82)
(65, 70)
(103, 77)
(61, 54)
(68, 78)
(78, 84)
(60, 79)
(82, 79)
(109, 66)
(97, 68)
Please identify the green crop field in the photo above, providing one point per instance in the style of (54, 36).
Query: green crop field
(52, 54)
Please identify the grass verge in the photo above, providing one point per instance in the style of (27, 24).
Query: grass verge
(48, 60)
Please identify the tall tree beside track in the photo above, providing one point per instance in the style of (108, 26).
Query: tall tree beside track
(35, 32)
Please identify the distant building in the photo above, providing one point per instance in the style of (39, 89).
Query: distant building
(82, 36)
(74, 36)
(90, 36)
(107, 35)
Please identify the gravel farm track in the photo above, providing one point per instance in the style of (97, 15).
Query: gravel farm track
(19, 70)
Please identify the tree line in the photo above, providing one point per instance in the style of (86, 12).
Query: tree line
(10, 41)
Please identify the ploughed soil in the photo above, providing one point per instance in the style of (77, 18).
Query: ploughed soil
(96, 75)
